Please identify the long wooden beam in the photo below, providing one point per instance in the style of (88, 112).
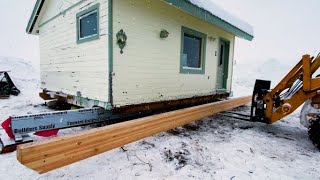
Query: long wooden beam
(57, 152)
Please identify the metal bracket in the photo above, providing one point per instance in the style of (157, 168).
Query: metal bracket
(58, 120)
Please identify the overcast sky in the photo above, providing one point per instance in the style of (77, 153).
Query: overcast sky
(14, 42)
(284, 29)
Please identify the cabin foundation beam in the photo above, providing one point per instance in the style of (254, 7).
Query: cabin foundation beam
(61, 151)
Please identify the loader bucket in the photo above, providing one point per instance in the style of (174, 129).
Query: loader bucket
(7, 86)
(258, 105)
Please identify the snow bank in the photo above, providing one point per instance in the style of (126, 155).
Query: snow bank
(25, 75)
(215, 10)
(21, 71)
(244, 77)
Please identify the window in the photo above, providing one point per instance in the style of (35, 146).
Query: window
(221, 58)
(88, 24)
(193, 48)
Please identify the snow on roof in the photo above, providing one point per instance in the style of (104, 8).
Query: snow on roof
(217, 11)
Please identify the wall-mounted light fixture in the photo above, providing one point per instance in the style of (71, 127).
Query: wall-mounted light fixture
(164, 34)
(212, 38)
(121, 40)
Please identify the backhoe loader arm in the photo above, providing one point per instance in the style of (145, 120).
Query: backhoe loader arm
(293, 90)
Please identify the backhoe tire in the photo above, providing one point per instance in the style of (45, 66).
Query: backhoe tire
(314, 132)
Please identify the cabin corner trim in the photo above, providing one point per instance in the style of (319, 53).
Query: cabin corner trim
(110, 49)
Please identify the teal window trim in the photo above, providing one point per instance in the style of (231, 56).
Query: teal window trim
(187, 70)
(90, 10)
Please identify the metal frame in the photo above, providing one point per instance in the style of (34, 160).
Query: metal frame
(58, 120)
(47, 124)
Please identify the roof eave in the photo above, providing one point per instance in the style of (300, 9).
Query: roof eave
(183, 5)
(34, 16)
(206, 16)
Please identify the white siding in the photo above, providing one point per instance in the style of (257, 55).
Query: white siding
(67, 66)
(149, 68)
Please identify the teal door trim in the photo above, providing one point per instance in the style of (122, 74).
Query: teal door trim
(225, 61)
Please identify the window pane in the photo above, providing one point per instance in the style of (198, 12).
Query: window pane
(89, 25)
(221, 54)
(192, 51)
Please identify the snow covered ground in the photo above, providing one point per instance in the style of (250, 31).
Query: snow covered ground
(213, 148)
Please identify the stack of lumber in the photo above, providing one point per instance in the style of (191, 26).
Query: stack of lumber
(61, 151)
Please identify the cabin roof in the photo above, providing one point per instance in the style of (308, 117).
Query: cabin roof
(205, 10)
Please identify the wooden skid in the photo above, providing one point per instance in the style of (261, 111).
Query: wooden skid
(61, 151)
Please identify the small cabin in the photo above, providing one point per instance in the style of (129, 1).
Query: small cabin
(120, 53)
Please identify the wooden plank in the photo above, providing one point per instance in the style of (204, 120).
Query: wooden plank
(61, 151)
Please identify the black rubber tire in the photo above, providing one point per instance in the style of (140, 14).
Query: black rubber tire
(314, 132)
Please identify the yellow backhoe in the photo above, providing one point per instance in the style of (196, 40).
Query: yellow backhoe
(297, 87)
